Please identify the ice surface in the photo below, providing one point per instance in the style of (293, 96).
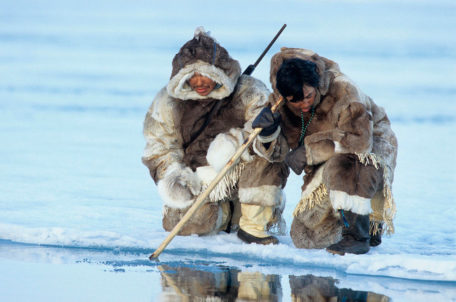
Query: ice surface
(77, 77)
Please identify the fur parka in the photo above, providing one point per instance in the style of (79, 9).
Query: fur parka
(348, 130)
(178, 152)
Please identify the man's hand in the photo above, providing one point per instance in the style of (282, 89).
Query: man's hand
(296, 159)
(268, 121)
(179, 187)
(189, 181)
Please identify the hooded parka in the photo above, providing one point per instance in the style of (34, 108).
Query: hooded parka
(350, 152)
(190, 138)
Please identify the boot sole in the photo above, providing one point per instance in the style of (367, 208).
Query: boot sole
(246, 237)
(340, 253)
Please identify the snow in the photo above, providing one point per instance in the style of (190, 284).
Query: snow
(77, 77)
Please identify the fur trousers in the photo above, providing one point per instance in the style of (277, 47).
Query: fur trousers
(342, 183)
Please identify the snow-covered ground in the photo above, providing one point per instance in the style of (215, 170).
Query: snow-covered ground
(76, 78)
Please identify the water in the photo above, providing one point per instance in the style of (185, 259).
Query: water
(51, 273)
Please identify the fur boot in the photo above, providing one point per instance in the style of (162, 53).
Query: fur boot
(316, 227)
(204, 221)
(355, 235)
(253, 223)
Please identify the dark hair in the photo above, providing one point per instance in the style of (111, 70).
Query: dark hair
(293, 74)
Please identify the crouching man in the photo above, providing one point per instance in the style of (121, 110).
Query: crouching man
(343, 141)
(193, 127)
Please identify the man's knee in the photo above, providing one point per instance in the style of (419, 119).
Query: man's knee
(261, 183)
(344, 172)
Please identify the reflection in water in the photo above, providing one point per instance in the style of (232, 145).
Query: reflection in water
(226, 284)
(186, 284)
(184, 280)
(311, 288)
(217, 284)
(259, 287)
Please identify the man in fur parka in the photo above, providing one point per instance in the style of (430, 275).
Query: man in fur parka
(193, 127)
(344, 143)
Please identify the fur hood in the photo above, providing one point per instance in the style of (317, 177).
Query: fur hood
(205, 56)
(326, 68)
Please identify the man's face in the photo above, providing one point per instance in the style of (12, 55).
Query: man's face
(306, 103)
(201, 84)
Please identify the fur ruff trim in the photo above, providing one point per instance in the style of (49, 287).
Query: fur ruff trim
(165, 189)
(314, 194)
(342, 201)
(388, 211)
(270, 138)
(374, 227)
(266, 195)
(178, 87)
(261, 151)
(316, 197)
(225, 188)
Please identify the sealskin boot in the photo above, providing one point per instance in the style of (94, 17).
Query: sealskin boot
(355, 235)
(246, 237)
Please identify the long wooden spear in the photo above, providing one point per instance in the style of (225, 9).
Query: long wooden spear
(202, 197)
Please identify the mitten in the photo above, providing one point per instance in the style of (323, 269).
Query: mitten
(296, 159)
(268, 121)
(179, 187)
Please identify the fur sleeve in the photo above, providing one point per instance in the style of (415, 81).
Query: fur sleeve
(275, 147)
(254, 96)
(352, 134)
(385, 142)
(163, 145)
(352, 121)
